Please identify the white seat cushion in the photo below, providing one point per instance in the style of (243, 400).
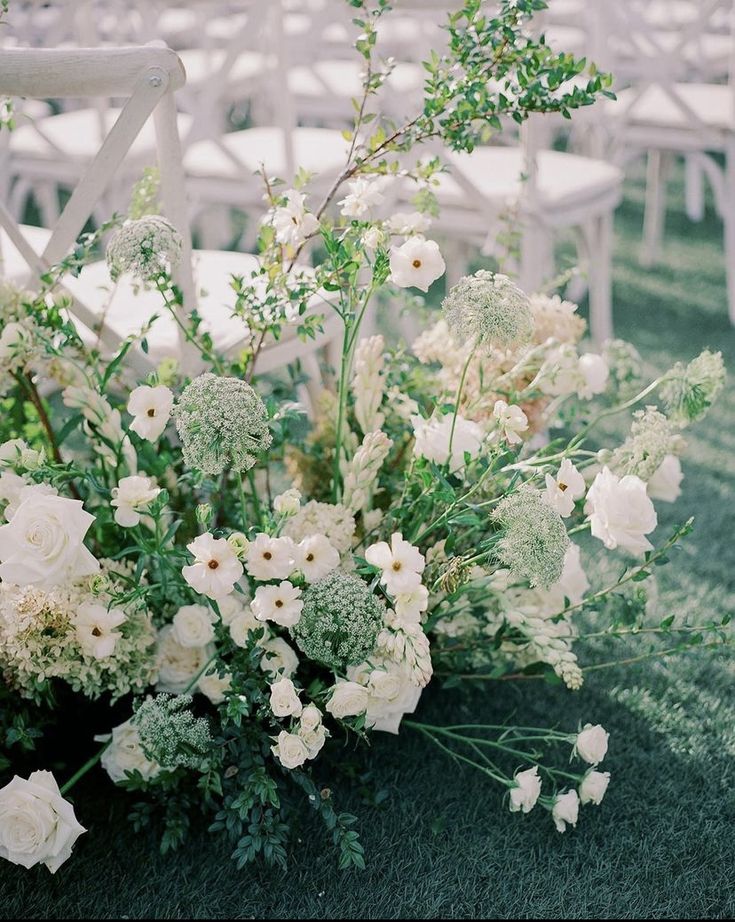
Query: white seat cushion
(563, 181)
(713, 103)
(201, 63)
(344, 79)
(77, 136)
(12, 265)
(317, 150)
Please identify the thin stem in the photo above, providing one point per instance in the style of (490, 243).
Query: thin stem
(458, 398)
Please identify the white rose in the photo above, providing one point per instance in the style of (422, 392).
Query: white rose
(125, 754)
(384, 685)
(278, 657)
(565, 810)
(573, 582)
(130, 496)
(594, 373)
(178, 666)
(526, 791)
(290, 749)
(193, 625)
(287, 503)
(214, 686)
(593, 787)
(665, 483)
(314, 739)
(43, 544)
(12, 451)
(591, 744)
(37, 826)
(242, 625)
(620, 512)
(348, 700)
(434, 435)
(284, 699)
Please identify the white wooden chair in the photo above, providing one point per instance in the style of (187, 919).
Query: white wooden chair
(146, 78)
(665, 111)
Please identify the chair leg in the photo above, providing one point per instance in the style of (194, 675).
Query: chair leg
(694, 188)
(600, 281)
(728, 217)
(655, 209)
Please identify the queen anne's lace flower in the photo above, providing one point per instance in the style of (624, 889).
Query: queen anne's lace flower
(144, 248)
(534, 539)
(340, 621)
(489, 309)
(170, 734)
(690, 390)
(652, 437)
(222, 424)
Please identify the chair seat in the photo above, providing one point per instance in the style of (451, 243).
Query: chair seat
(75, 137)
(12, 265)
(713, 103)
(344, 79)
(239, 154)
(565, 182)
(201, 63)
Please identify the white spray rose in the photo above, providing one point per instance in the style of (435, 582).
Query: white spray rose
(593, 787)
(620, 512)
(591, 744)
(290, 750)
(37, 826)
(194, 625)
(125, 754)
(565, 810)
(665, 484)
(131, 496)
(284, 699)
(348, 700)
(526, 791)
(433, 437)
(178, 666)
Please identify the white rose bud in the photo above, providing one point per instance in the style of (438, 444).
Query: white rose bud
(526, 791)
(287, 503)
(311, 718)
(565, 810)
(593, 787)
(591, 744)
(193, 625)
(348, 700)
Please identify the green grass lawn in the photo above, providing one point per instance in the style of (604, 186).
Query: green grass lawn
(442, 844)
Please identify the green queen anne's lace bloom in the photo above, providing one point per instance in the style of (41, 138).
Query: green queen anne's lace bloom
(144, 248)
(222, 423)
(534, 539)
(489, 309)
(340, 621)
(690, 390)
(170, 734)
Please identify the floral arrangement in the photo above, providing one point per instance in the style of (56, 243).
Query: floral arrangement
(250, 588)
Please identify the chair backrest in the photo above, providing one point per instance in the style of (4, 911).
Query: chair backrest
(146, 78)
(647, 44)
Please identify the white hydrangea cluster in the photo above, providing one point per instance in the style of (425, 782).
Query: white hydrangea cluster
(333, 520)
(554, 318)
(489, 309)
(66, 633)
(19, 349)
(368, 383)
(360, 473)
(144, 248)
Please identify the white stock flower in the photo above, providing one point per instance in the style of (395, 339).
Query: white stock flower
(317, 557)
(562, 490)
(565, 810)
(278, 657)
(284, 699)
(178, 665)
(620, 512)
(361, 472)
(363, 196)
(194, 625)
(280, 604)
(594, 373)
(43, 544)
(131, 496)
(151, 409)
(37, 826)
(348, 699)
(416, 264)
(591, 744)
(525, 792)
(271, 558)
(434, 435)
(665, 484)
(95, 629)
(287, 503)
(216, 567)
(511, 420)
(214, 686)
(593, 787)
(292, 223)
(290, 750)
(401, 564)
(409, 223)
(125, 754)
